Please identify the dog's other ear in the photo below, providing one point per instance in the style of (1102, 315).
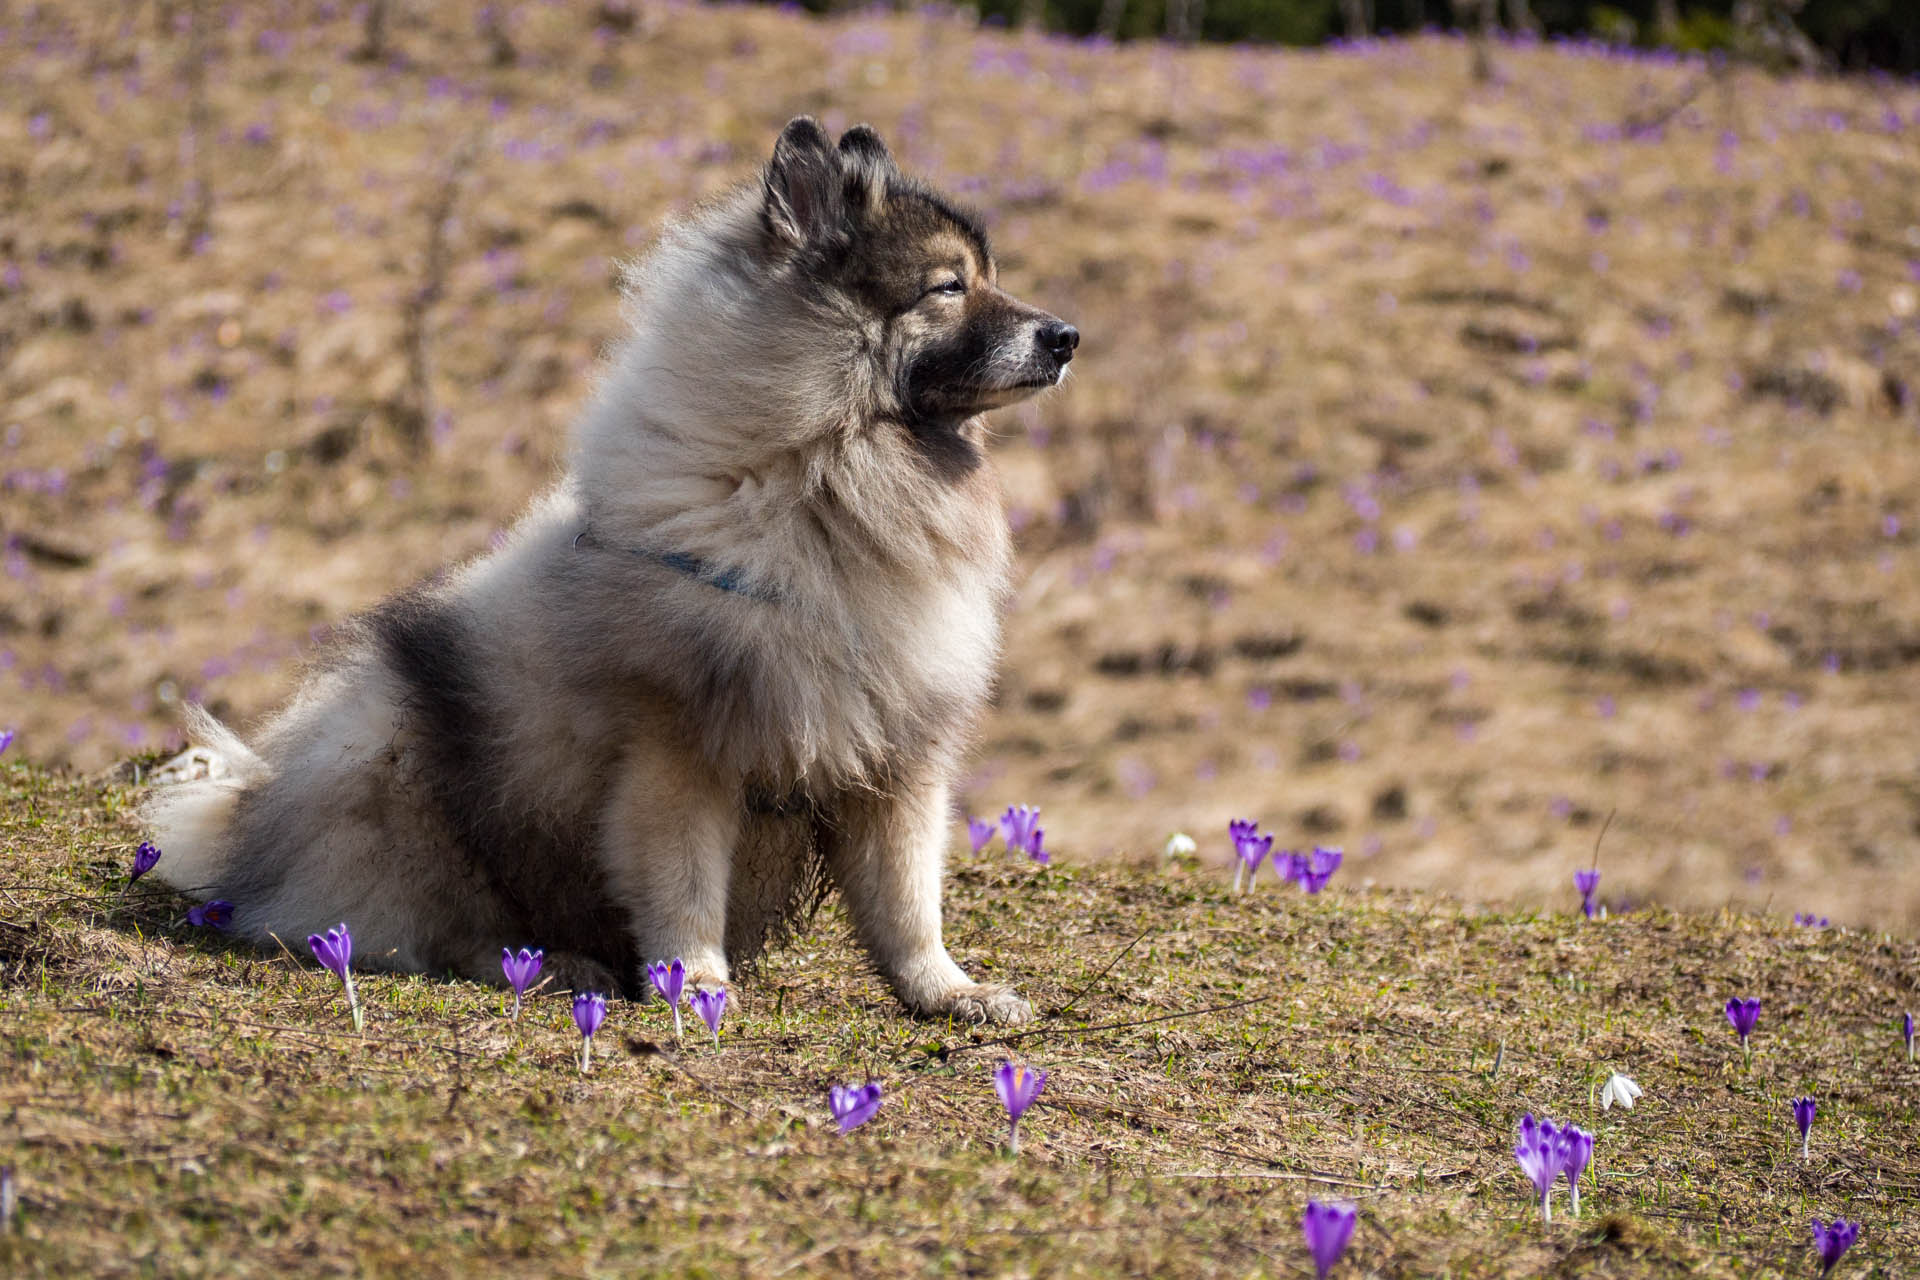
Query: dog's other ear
(867, 164)
(801, 202)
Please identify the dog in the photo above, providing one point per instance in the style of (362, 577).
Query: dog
(729, 662)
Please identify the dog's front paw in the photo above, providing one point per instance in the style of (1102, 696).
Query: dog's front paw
(979, 1002)
(706, 980)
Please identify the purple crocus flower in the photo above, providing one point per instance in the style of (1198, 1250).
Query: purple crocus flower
(1314, 872)
(143, 859)
(1833, 1241)
(979, 832)
(589, 1011)
(335, 954)
(1744, 1015)
(521, 970)
(1036, 847)
(6, 739)
(211, 915)
(1019, 825)
(1018, 1086)
(669, 980)
(1906, 1033)
(1588, 883)
(1576, 1152)
(1803, 1111)
(709, 1004)
(1249, 847)
(1539, 1155)
(853, 1104)
(1327, 1228)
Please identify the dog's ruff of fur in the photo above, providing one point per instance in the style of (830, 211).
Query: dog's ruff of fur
(573, 743)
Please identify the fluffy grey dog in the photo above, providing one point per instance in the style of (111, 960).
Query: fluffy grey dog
(731, 659)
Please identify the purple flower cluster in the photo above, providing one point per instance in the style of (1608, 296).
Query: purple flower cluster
(1328, 1228)
(1310, 871)
(521, 970)
(1832, 1240)
(144, 859)
(1250, 849)
(1546, 1151)
(1803, 1112)
(1020, 827)
(1017, 1086)
(217, 914)
(710, 1004)
(334, 951)
(669, 979)
(1744, 1014)
(589, 1011)
(1588, 883)
(853, 1105)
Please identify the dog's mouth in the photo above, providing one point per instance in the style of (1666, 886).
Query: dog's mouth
(1022, 377)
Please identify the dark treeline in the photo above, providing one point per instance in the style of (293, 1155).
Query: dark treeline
(1851, 35)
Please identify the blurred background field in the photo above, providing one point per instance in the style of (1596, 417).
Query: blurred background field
(1450, 463)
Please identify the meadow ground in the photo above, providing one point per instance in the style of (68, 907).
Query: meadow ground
(1447, 465)
(172, 1105)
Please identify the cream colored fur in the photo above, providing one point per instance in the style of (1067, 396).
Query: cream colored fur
(568, 740)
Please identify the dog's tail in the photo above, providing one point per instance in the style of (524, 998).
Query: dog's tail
(192, 802)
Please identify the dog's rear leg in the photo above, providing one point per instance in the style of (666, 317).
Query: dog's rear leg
(666, 844)
(885, 855)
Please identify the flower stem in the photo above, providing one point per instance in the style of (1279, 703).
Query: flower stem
(676, 1024)
(515, 1015)
(1013, 1137)
(586, 1054)
(1746, 1048)
(353, 1003)
(1546, 1206)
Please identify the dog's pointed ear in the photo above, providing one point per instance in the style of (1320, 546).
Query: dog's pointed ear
(801, 202)
(867, 165)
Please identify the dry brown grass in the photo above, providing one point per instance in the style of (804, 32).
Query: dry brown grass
(1309, 283)
(175, 1106)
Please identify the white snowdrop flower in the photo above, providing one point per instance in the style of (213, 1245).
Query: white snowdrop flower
(1181, 845)
(1620, 1089)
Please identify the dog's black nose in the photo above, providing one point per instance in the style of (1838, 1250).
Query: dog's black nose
(1058, 340)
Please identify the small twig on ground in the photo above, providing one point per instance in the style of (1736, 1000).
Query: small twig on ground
(1277, 1175)
(199, 202)
(1062, 1011)
(1112, 1026)
(646, 1048)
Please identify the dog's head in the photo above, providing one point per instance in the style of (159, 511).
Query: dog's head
(914, 275)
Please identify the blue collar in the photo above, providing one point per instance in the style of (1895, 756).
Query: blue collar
(729, 579)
